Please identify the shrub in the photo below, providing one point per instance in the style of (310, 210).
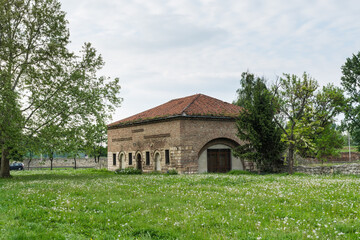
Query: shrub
(128, 171)
(154, 173)
(172, 172)
(240, 172)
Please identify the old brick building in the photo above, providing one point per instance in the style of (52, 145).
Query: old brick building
(193, 134)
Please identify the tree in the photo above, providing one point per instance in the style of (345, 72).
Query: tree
(351, 83)
(305, 115)
(53, 139)
(74, 145)
(42, 82)
(292, 96)
(328, 143)
(31, 147)
(256, 126)
(325, 139)
(95, 139)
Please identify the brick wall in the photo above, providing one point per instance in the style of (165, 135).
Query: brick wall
(195, 134)
(153, 138)
(184, 138)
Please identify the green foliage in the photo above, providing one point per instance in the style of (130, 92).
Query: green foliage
(95, 139)
(154, 173)
(128, 171)
(306, 115)
(351, 83)
(355, 137)
(328, 143)
(43, 84)
(172, 172)
(257, 130)
(240, 172)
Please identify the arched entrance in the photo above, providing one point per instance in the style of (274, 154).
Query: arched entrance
(216, 156)
(157, 161)
(138, 161)
(122, 160)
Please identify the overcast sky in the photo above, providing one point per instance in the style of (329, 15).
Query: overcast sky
(163, 50)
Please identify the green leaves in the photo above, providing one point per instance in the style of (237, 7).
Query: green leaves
(351, 82)
(306, 114)
(256, 127)
(43, 84)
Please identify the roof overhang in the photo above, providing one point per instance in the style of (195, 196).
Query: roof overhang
(171, 118)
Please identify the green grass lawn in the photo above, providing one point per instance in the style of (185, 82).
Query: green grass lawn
(352, 148)
(91, 204)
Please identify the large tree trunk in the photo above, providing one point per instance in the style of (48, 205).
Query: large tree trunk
(291, 158)
(74, 162)
(5, 164)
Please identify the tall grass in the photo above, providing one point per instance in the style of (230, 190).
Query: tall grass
(91, 204)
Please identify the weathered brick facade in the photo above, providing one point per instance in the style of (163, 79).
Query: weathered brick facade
(186, 138)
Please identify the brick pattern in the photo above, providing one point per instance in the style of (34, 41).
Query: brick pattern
(184, 138)
(155, 137)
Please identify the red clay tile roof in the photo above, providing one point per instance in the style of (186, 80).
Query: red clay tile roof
(195, 105)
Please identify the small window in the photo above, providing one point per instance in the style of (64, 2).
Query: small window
(114, 159)
(167, 157)
(148, 158)
(130, 158)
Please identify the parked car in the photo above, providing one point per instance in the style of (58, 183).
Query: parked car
(17, 166)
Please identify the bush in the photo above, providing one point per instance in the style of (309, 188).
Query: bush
(128, 171)
(240, 172)
(154, 173)
(172, 172)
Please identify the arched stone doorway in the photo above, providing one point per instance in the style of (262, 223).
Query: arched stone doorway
(122, 160)
(138, 161)
(216, 156)
(157, 162)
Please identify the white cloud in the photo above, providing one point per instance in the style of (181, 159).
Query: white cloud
(167, 49)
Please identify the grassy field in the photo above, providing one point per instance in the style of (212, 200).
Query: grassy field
(352, 148)
(95, 204)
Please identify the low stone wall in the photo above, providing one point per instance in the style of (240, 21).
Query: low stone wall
(353, 168)
(66, 162)
(342, 158)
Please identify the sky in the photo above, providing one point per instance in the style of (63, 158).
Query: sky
(162, 50)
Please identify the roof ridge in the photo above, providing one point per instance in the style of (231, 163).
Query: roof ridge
(183, 111)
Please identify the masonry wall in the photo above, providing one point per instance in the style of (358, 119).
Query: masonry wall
(353, 168)
(196, 134)
(185, 139)
(154, 138)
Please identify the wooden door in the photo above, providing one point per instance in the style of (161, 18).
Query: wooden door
(219, 160)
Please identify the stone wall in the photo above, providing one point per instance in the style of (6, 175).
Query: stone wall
(342, 158)
(353, 168)
(185, 138)
(66, 162)
(154, 138)
(196, 136)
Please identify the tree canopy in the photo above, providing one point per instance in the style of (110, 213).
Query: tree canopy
(305, 113)
(42, 82)
(256, 126)
(350, 80)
